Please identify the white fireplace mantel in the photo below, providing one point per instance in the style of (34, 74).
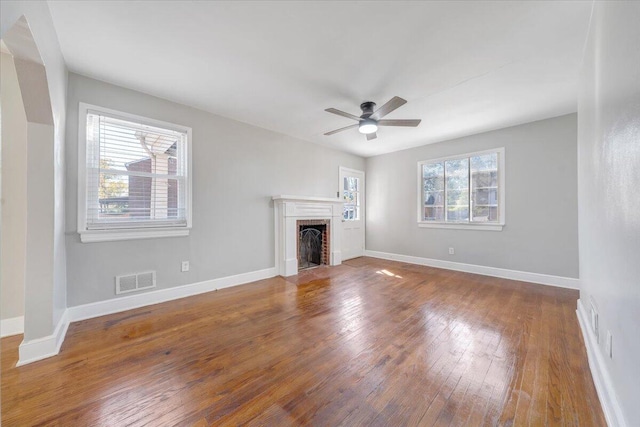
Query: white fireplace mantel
(290, 209)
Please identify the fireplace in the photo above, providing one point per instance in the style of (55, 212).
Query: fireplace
(313, 243)
(296, 214)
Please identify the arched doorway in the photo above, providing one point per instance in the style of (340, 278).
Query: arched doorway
(29, 191)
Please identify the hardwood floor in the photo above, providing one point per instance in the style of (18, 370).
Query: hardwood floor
(370, 342)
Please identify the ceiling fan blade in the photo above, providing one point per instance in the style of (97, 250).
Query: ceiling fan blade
(393, 103)
(400, 122)
(371, 136)
(341, 129)
(342, 113)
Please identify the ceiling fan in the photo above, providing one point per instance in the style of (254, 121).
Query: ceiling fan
(369, 121)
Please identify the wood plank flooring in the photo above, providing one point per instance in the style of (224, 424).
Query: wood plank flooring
(370, 342)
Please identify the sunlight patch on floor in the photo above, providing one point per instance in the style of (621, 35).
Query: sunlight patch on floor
(388, 273)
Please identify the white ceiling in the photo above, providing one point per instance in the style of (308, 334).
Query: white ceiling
(464, 67)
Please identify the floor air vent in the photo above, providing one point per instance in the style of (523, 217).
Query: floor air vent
(135, 282)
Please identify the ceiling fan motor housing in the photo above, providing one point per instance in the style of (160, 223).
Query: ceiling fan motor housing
(367, 108)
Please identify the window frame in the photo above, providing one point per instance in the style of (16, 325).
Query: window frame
(146, 230)
(486, 226)
(342, 173)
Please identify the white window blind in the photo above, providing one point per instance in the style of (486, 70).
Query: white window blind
(137, 174)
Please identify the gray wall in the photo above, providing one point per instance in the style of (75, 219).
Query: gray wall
(13, 248)
(609, 191)
(540, 234)
(236, 170)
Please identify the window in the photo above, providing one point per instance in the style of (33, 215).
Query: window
(351, 195)
(134, 177)
(462, 191)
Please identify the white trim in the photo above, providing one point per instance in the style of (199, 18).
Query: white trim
(12, 326)
(48, 346)
(116, 305)
(287, 211)
(102, 235)
(462, 226)
(41, 348)
(524, 276)
(349, 170)
(91, 236)
(131, 117)
(362, 191)
(604, 386)
(359, 223)
(306, 199)
(470, 225)
(463, 155)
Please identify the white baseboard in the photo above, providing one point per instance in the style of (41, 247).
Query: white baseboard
(601, 379)
(41, 348)
(12, 326)
(116, 305)
(525, 276)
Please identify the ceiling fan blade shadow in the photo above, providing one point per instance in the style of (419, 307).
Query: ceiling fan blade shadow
(371, 136)
(342, 113)
(341, 129)
(391, 105)
(400, 122)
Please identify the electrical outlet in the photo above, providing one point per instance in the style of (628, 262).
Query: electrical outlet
(452, 251)
(185, 266)
(609, 345)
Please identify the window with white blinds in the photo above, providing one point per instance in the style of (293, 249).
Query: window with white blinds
(136, 176)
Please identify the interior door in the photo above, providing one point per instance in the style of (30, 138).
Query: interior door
(352, 192)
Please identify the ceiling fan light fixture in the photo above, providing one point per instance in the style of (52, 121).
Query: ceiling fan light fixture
(371, 118)
(368, 126)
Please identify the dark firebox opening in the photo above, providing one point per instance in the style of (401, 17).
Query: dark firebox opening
(310, 246)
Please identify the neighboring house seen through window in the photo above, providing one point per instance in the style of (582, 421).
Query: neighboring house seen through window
(135, 180)
(464, 191)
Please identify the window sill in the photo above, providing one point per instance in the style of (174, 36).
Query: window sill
(459, 226)
(91, 236)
